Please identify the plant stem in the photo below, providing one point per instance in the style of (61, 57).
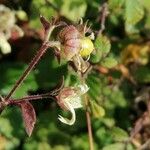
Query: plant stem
(88, 118)
(32, 64)
(29, 98)
(104, 14)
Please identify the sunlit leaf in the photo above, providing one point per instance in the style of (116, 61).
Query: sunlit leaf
(74, 9)
(102, 44)
(109, 62)
(134, 12)
(115, 4)
(97, 110)
(119, 134)
(10, 74)
(116, 146)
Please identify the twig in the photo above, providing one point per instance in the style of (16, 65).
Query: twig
(46, 44)
(34, 61)
(88, 118)
(29, 98)
(102, 19)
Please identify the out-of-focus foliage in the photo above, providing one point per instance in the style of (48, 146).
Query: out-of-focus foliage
(113, 89)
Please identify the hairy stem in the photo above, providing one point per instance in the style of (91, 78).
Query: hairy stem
(30, 98)
(88, 118)
(46, 44)
(104, 14)
(34, 61)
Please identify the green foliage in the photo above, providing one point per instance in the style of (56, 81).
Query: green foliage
(109, 62)
(13, 72)
(73, 10)
(119, 134)
(102, 48)
(133, 12)
(142, 74)
(115, 4)
(97, 110)
(39, 7)
(118, 146)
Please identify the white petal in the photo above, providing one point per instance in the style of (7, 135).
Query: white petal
(75, 102)
(73, 118)
(83, 88)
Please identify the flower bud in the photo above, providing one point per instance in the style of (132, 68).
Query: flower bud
(69, 99)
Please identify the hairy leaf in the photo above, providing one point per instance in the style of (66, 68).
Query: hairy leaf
(118, 146)
(142, 74)
(10, 73)
(119, 134)
(74, 9)
(102, 44)
(133, 12)
(97, 110)
(109, 62)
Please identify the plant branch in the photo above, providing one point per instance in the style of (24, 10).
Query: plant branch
(32, 64)
(102, 19)
(88, 118)
(46, 44)
(30, 98)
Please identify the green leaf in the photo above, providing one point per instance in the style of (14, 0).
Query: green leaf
(80, 143)
(52, 71)
(142, 74)
(95, 58)
(97, 110)
(94, 84)
(102, 45)
(116, 98)
(131, 29)
(74, 9)
(39, 7)
(134, 12)
(116, 146)
(11, 128)
(103, 135)
(115, 4)
(109, 122)
(10, 74)
(119, 134)
(109, 62)
(119, 146)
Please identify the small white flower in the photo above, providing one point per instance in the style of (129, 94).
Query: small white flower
(69, 99)
(7, 28)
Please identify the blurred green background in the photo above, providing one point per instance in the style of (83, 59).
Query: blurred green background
(119, 82)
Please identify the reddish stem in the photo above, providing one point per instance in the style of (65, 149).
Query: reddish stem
(29, 98)
(104, 14)
(32, 64)
(88, 119)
